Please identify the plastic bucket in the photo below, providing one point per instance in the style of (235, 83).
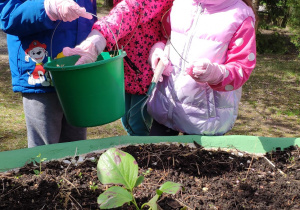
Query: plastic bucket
(90, 94)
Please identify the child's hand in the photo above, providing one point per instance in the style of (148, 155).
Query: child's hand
(89, 49)
(205, 71)
(65, 10)
(156, 54)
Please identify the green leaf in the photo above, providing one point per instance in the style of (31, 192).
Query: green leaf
(139, 181)
(114, 197)
(152, 203)
(170, 187)
(37, 172)
(117, 167)
(159, 192)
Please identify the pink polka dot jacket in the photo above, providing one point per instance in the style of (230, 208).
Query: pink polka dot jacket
(223, 32)
(136, 26)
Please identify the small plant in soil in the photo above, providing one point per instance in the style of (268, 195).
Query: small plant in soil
(38, 172)
(120, 168)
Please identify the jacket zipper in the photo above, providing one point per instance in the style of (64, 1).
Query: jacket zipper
(184, 56)
(191, 36)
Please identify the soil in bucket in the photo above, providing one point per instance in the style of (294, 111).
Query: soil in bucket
(90, 94)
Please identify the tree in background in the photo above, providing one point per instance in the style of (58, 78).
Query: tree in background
(275, 12)
(108, 3)
(294, 22)
(279, 14)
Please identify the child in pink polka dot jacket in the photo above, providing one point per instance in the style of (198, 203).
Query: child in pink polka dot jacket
(212, 52)
(136, 26)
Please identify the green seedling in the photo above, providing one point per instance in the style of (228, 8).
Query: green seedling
(60, 183)
(80, 175)
(120, 168)
(18, 176)
(93, 186)
(38, 172)
(146, 173)
(292, 159)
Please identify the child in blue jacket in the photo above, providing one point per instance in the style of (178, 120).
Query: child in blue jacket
(35, 30)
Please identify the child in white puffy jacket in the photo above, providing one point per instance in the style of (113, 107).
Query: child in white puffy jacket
(212, 52)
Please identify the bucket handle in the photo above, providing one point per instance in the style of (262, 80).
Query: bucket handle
(51, 55)
(108, 28)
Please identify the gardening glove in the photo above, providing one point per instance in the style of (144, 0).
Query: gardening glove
(89, 49)
(65, 10)
(156, 54)
(205, 71)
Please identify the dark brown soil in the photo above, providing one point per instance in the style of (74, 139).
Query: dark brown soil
(211, 180)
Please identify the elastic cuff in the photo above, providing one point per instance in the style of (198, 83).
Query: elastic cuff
(98, 40)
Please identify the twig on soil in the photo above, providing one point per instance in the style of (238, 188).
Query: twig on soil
(71, 184)
(165, 174)
(183, 204)
(43, 207)
(198, 170)
(272, 164)
(66, 174)
(70, 162)
(6, 176)
(75, 201)
(10, 191)
(249, 166)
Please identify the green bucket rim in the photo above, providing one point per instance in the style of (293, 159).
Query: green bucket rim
(48, 66)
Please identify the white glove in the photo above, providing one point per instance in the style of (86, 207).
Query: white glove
(89, 49)
(205, 71)
(156, 54)
(65, 10)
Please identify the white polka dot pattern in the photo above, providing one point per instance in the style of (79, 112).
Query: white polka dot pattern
(239, 42)
(226, 73)
(251, 57)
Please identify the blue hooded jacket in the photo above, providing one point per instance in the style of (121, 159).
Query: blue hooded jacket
(32, 37)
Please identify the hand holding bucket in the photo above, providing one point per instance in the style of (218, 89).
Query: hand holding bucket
(89, 49)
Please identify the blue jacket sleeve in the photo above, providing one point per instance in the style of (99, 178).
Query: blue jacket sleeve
(22, 18)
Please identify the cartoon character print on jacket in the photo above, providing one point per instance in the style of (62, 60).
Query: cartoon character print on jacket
(37, 52)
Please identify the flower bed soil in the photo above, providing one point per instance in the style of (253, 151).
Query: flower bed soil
(211, 179)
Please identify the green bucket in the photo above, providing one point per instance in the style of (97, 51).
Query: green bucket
(90, 94)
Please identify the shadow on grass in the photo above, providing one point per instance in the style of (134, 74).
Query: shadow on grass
(12, 138)
(275, 41)
(270, 100)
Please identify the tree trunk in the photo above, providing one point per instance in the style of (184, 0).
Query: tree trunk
(256, 4)
(108, 3)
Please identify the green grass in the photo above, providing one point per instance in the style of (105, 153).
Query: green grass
(270, 102)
